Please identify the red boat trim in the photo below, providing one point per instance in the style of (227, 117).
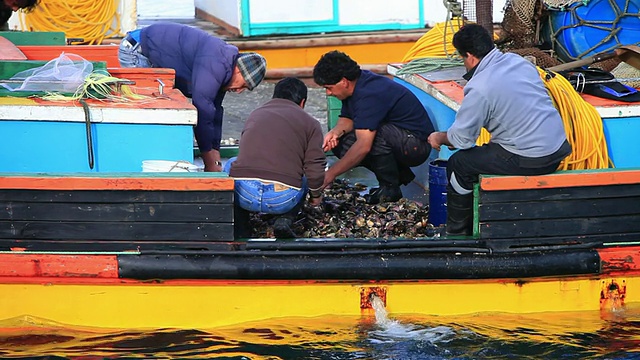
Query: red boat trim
(43, 265)
(139, 182)
(561, 179)
(620, 260)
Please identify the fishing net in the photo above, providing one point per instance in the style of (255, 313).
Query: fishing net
(480, 12)
(625, 71)
(528, 31)
(521, 31)
(579, 29)
(64, 74)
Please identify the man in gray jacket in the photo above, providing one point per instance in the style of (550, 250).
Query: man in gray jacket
(505, 95)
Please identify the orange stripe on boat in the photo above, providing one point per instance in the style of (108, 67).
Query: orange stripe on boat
(44, 265)
(620, 260)
(153, 182)
(107, 53)
(561, 179)
(145, 77)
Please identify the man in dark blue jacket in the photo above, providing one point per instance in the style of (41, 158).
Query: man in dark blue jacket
(382, 125)
(206, 68)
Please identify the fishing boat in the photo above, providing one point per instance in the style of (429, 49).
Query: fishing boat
(140, 250)
(89, 240)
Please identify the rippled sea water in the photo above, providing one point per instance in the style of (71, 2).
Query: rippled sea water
(579, 335)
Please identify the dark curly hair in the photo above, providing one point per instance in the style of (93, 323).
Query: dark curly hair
(473, 39)
(333, 66)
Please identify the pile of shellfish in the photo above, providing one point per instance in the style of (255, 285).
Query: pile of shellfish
(344, 213)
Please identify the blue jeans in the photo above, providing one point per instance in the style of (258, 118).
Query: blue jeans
(257, 196)
(130, 53)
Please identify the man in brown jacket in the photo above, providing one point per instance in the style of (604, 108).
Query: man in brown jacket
(280, 159)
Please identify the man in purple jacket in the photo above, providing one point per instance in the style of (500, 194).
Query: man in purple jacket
(206, 68)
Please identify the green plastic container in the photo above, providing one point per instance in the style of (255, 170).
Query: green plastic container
(35, 37)
(226, 152)
(334, 105)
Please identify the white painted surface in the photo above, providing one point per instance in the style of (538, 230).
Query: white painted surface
(354, 12)
(128, 15)
(163, 9)
(284, 11)
(425, 86)
(99, 115)
(225, 10)
(229, 11)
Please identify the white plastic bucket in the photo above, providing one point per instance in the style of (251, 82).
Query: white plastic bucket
(169, 166)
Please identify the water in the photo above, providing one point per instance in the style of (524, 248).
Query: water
(576, 335)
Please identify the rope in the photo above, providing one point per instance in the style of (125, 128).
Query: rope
(100, 86)
(419, 66)
(435, 42)
(87, 122)
(90, 20)
(626, 71)
(582, 124)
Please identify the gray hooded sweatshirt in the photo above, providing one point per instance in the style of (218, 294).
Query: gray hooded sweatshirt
(507, 97)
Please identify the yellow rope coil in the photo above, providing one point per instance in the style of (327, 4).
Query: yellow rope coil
(100, 86)
(435, 43)
(582, 123)
(90, 20)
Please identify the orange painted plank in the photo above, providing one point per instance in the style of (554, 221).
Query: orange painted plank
(560, 179)
(44, 265)
(117, 183)
(602, 102)
(620, 260)
(171, 99)
(107, 53)
(145, 77)
(451, 89)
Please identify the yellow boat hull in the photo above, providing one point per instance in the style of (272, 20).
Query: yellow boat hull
(209, 304)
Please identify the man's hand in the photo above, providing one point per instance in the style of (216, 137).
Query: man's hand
(211, 161)
(330, 141)
(437, 139)
(328, 178)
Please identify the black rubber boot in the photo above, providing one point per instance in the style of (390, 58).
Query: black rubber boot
(459, 214)
(282, 228)
(384, 194)
(406, 175)
(386, 171)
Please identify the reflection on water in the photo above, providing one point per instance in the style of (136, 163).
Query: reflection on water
(498, 336)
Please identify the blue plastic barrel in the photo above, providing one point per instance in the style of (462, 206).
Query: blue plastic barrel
(579, 31)
(438, 192)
